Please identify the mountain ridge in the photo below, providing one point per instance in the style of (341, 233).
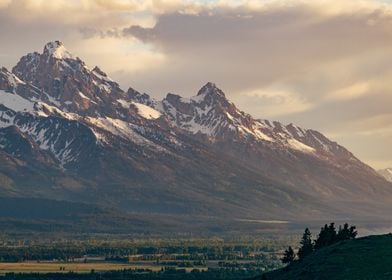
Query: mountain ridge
(198, 155)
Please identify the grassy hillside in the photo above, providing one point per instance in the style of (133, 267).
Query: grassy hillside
(364, 258)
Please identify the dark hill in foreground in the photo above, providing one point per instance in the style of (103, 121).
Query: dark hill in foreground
(364, 258)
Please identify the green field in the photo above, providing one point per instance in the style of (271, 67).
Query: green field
(45, 267)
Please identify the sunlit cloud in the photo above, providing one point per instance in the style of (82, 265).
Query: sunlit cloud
(131, 57)
(350, 92)
(272, 103)
(4, 3)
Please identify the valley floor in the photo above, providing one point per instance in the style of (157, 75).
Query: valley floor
(149, 258)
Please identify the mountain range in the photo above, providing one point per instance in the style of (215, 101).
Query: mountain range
(69, 132)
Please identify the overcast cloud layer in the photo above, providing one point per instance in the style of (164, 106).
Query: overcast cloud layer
(320, 64)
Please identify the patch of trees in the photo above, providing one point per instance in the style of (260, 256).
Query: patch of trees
(328, 235)
(131, 252)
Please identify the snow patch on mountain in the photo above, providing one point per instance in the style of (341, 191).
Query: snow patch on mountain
(47, 110)
(15, 102)
(386, 173)
(44, 137)
(146, 111)
(117, 127)
(194, 127)
(101, 139)
(124, 130)
(143, 110)
(57, 50)
(12, 78)
(83, 96)
(296, 145)
(261, 135)
(125, 104)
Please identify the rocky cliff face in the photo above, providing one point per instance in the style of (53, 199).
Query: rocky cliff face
(70, 132)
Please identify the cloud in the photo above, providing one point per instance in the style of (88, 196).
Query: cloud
(368, 138)
(4, 3)
(137, 58)
(115, 5)
(298, 47)
(274, 102)
(70, 12)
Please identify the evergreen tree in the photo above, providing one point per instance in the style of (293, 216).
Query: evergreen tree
(321, 238)
(332, 233)
(346, 233)
(326, 237)
(353, 232)
(288, 256)
(306, 245)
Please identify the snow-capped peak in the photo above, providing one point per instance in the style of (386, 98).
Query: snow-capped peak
(57, 50)
(69, 83)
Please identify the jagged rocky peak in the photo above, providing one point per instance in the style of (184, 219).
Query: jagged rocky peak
(175, 98)
(209, 113)
(142, 98)
(69, 83)
(57, 50)
(210, 89)
(53, 62)
(212, 98)
(99, 71)
(211, 94)
(41, 68)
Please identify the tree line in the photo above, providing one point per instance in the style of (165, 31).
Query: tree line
(328, 235)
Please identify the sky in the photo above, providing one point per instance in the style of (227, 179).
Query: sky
(320, 64)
